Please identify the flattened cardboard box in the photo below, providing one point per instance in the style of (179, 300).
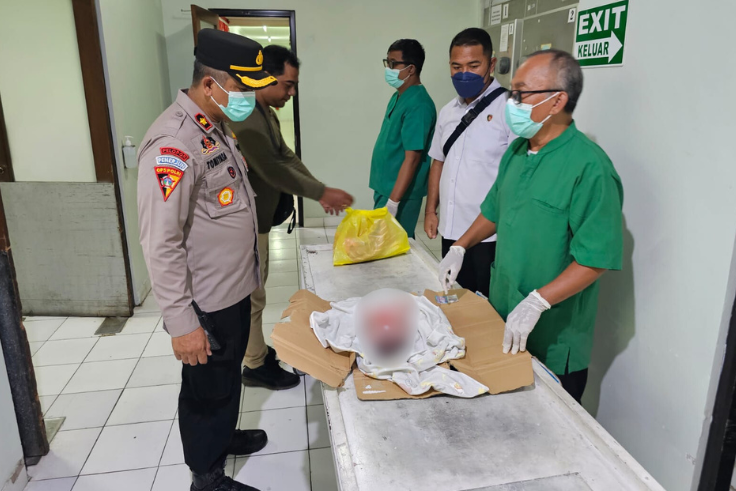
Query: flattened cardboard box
(471, 317)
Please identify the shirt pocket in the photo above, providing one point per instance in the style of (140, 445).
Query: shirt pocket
(224, 194)
(548, 208)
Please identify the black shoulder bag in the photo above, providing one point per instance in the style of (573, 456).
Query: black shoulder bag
(470, 117)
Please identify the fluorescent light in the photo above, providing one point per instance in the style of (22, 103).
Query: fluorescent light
(264, 29)
(269, 39)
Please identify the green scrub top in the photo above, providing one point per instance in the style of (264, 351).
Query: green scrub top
(408, 125)
(560, 205)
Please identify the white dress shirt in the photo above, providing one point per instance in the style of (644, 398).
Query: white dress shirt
(472, 165)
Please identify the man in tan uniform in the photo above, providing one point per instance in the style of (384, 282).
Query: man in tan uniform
(199, 232)
(275, 168)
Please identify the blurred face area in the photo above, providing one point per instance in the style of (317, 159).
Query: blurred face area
(471, 59)
(536, 74)
(278, 95)
(396, 62)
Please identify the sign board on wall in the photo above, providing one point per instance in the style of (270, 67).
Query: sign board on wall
(601, 34)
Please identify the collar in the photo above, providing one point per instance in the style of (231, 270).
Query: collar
(194, 112)
(558, 142)
(460, 102)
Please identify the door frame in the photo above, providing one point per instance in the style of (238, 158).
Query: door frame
(291, 15)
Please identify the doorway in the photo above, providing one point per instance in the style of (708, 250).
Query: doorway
(267, 27)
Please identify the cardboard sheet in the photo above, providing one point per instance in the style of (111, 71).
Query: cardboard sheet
(471, 317)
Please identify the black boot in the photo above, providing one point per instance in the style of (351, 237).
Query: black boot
(217, 481)
(246, 442)
(270, 375)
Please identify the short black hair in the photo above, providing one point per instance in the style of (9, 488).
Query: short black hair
(569, 75)
(275, 59)
(411, 51)
(474, 36)
(201, 71)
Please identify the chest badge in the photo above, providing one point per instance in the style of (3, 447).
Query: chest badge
(231, 171)
(225, 197)
(202, 121)
(490, 117)
(209, 145)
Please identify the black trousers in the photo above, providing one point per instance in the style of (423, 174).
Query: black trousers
(209, 401)
(574, 383)
(475, 275)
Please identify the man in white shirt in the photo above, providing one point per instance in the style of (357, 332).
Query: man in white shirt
(460, 180)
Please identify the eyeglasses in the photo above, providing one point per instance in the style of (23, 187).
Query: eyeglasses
(516, 95)
(391, 64)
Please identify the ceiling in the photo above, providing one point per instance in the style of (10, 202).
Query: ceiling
(265, 30)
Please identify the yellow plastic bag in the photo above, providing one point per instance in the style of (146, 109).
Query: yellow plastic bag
(367, 235)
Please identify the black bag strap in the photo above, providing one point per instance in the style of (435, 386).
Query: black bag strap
(470, 117)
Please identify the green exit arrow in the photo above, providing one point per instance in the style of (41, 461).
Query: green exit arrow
(599, 48)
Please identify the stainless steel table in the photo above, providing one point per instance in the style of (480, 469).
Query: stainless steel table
(534, 439)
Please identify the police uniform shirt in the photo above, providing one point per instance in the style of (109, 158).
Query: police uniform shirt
(197, 216)
(471, 167)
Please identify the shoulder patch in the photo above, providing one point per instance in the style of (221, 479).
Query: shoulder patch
(202, 121)
(168, 178)
(175, 152)
(170, 161)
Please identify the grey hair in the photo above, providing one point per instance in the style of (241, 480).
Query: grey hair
(569, 75)
(201, 71)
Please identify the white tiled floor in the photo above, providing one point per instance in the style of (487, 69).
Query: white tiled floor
(119, 397)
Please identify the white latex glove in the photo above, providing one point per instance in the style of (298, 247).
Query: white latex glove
(521, 322)
(393, 207)
(450, 266)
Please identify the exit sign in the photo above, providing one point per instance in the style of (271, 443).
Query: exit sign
(601, 35)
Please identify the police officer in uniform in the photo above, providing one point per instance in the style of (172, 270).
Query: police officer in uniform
(199, 234)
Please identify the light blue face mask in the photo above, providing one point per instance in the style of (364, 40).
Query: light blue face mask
(519, 118)
(392, 77)
(239, 104)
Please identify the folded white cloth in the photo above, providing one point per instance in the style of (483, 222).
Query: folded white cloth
(435, 344)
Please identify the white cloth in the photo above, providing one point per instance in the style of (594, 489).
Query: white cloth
(435, 344)
(471, 167)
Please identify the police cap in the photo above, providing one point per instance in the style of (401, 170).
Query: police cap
(237, 55)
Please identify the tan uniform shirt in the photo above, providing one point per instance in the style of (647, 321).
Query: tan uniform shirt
(197, 216)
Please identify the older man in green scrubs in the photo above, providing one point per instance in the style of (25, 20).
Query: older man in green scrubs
(556, 206)
(400, 164)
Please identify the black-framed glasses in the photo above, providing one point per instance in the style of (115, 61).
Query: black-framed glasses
(392, 64)
(516, 95)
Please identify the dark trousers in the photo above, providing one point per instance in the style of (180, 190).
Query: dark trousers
(475, 275)
(574, 383)
(209, 401)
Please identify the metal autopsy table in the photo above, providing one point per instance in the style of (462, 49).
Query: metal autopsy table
(534, 439)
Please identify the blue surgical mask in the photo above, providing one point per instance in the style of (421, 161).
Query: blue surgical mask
(239, 104)
(392, 77)
(519, 118)
(468, 84)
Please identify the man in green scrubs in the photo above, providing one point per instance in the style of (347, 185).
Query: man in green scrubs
(556, 206)
(400, 163)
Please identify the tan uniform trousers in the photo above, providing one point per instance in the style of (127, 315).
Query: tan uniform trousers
(257, 350)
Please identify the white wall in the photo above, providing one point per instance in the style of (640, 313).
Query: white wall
(342, 92)
(42, 92)
(11, 452)
(666, 120)
(138, 84)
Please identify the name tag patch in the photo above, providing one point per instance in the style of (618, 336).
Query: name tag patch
(168, 178)
(175, 152)
(217, 160)
(225, 197)
(169, 161)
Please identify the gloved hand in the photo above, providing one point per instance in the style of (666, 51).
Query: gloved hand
(450, 266)
(521, 322)
(393, 207)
